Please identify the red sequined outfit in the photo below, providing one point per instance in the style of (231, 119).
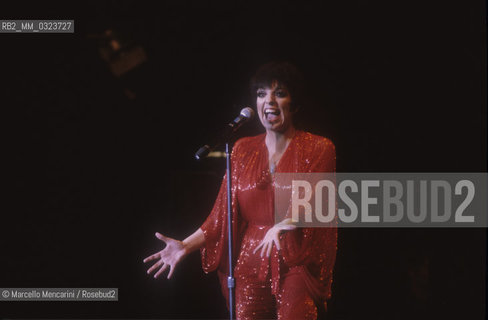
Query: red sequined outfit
(288, 283)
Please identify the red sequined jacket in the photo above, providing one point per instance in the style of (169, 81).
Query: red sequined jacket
(308, 251)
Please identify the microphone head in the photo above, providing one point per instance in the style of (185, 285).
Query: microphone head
(248, 113)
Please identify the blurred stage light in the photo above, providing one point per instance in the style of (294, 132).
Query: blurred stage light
(121, 56)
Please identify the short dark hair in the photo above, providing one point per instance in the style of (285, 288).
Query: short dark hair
(285, 74)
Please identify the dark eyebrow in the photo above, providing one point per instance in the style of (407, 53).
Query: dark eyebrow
(279, 87)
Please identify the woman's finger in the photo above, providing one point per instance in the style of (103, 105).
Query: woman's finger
(163, 268)
(171, 269)
(257, 248)
(151, 257)
(268, 253)
(277, 242)
(154, 267)
(263, 250)
(162, 238)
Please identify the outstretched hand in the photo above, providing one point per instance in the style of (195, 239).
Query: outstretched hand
(272, 237)
(170, 256)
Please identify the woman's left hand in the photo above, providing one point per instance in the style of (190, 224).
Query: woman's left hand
(273, 237)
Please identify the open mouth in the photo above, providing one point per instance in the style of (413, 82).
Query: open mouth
(269, 111)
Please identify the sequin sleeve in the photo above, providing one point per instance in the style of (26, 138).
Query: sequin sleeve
(314, 249)
(213, 228)
(214, 251)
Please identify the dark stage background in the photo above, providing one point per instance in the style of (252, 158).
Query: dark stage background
(96, 163)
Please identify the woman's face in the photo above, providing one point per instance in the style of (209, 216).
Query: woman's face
(273, 107)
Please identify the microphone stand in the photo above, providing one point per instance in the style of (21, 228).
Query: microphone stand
(230, 278)
(245, 115)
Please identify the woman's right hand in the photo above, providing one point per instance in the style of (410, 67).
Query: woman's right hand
(170, 256)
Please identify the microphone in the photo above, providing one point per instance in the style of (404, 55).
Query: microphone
(245, 115)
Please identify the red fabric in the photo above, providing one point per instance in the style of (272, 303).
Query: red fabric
(308, 253)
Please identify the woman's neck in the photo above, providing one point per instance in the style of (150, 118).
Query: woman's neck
(276, 142)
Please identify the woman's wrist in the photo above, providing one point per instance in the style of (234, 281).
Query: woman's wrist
(194, 242)
(286, 225)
